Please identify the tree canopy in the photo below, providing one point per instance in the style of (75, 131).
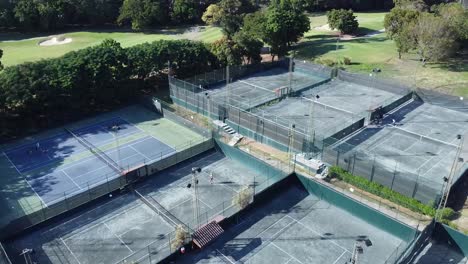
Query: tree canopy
(213, 15)
(284, 24)
(185, 11)
(141, 13)
(343, 20)
(87, 80)
(434, 38)
(435, 35)
(1, 55)
(399, 25)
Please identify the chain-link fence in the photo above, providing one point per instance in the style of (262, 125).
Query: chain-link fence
(233, 72)
(283, 134)
(3, 256)
(161, 248)
(104, 184)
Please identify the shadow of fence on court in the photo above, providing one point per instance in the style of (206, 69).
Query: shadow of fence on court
(157, 251)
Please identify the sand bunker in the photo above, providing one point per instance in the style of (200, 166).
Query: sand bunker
(55, 40)
(325, 27)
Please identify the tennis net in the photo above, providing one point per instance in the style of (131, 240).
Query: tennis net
(421, 137)
(257, 87)
(160, 210)
(96, 151)
(328, 107)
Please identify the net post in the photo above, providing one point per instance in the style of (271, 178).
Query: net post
(65, 199)
(42, 210)
(107, 182)
(89, 193)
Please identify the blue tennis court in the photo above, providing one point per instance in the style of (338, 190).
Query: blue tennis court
(61, 166)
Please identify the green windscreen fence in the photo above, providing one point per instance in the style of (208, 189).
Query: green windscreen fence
(266, 174)
(361, 210)
(460, 239)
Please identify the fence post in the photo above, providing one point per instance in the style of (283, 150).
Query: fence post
(149, 254)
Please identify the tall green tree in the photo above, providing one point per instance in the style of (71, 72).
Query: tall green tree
(399, 26)
(6, 14)
(213, 15)
(343, 20)
(227, 51)
(254, 24)
(95, 12)
(141, 13)
(456, 17)
(417, 5)
(250, 46)
(27, 14)
(185, 11)
(1, 55)
(284, 26)
(435, 39)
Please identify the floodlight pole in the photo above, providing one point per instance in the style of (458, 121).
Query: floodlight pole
(290, 76)
(195, 203)
(449, 180)
(291, 141)
(116, 138)
(227, 85)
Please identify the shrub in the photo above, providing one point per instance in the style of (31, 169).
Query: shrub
(179, 239)
(447, 213)
(327, 62)
(243, 198)
(384, 192)
(347, 61)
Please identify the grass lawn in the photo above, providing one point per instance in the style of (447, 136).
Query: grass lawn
(23, 50)
(379, 51)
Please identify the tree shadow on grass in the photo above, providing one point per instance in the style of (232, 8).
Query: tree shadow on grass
(453, 65)
(361, 31)
(315, 48)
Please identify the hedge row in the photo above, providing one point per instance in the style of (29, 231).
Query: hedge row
(386, 193)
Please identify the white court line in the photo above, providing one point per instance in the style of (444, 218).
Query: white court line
(25, 178)
(289, 260)
(8, 158)
(94, 209)
(272, 225)
(433, 165)
(430, 159)
(205, 203)
(158, 250)
(286, 252)
(73, 254)
(86, 228)
(92, 156)
(136, 224)
(333, 242)
(144, 156)
(93, 184)
(134, 125)
(336, 261)
(104, 166)
(66, 174)
(219, 252)
(121, 241)
(186, 166)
